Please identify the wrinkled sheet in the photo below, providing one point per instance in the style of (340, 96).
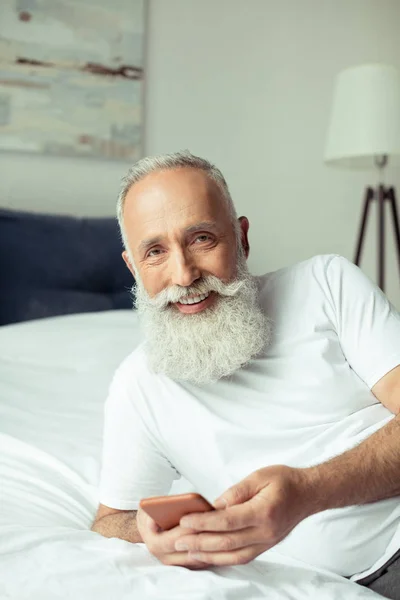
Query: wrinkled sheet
(54, 375)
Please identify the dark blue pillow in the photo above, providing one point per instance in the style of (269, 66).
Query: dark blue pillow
(53, 265)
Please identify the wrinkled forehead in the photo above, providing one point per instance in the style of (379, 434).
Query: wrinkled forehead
(166, 201)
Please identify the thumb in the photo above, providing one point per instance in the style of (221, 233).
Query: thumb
(148, 522)
(237, 494)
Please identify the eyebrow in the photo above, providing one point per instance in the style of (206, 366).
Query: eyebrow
(148, 243)
(209, 225)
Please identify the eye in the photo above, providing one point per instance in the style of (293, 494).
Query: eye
(203, 237)
(154, 252)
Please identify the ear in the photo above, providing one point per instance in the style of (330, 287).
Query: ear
(244, 228)
(128, 263)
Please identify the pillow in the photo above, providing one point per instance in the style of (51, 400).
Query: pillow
(53, 265)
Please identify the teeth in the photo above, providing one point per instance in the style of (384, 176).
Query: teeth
(194, 300)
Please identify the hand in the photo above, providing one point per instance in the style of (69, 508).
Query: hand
(259, 512)
(162, 543)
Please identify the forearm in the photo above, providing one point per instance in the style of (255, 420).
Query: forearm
(122, 525)
(367, 473)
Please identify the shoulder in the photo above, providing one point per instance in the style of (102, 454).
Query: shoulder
(303, 273)
(300, 289)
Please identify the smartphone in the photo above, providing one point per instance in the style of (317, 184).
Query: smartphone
(167, 511)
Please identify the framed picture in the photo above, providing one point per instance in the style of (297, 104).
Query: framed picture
(71, 77)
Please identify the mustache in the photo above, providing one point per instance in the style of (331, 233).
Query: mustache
(205, 285)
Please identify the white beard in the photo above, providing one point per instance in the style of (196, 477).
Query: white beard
(203, 347)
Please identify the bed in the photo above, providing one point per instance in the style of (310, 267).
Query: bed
(54, 375)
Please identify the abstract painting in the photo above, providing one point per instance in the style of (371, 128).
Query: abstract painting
(71, 77)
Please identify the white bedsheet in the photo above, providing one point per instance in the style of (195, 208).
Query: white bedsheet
(54, 375)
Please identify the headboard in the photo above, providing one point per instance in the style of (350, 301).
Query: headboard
(53, 265)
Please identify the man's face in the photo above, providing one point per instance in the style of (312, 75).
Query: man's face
(195, 297)
(179, 229)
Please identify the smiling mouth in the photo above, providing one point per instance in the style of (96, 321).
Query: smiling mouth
(194, 299)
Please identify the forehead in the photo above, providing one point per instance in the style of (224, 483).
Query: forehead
(165, 201)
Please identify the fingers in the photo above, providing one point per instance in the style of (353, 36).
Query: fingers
(226, 559)
(237, 494)
(243, 491)
(204, 549)
(157, 540)
(216, 542)
(163, 542)
(230, 519)
(152, 526)
(182, 559)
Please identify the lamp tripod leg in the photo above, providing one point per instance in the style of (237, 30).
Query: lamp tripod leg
(381, 236)
(391, 195)
(369, 196)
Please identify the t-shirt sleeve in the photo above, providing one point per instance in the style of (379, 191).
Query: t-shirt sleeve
(133, 467)
(367, 324)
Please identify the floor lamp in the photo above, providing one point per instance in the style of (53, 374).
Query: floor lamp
(364, 131)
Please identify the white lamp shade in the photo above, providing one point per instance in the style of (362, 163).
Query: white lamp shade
(365, 117)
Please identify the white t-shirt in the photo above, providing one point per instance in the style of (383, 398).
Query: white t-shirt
(306, 399)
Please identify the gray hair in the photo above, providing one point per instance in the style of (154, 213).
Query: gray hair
(164, 162)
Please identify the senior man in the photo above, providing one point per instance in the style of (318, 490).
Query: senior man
(277, 394)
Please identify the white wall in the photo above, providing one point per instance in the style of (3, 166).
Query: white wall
(59, 185)
(248, 84)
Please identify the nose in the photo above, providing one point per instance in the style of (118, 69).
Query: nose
(184, 270)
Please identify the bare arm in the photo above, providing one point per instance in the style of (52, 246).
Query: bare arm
(111, 522)
(367, 473)
(370, 471)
